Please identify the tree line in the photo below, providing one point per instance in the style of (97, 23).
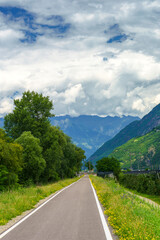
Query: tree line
(33, 151)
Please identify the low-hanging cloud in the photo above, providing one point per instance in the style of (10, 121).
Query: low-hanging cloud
(89, 57)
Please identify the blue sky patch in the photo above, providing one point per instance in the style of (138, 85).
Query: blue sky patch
(105, 59)
(114, 27)
(57, 18)
(34, 29)
(119, 38)
(60, 28)
(63, 28)
(14, 14)
(117, 33)
(30, 37)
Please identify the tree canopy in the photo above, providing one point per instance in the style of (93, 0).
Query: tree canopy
(89, 165)
(109, 165)
(63, 158)
(31, 113)
(34, 164)
(31, 150)
(11, 161)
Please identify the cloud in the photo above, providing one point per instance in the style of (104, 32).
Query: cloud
(90, 57)
(6, 105)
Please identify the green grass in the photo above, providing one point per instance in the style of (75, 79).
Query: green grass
(154, 198)
(15, 202)
(131, 217)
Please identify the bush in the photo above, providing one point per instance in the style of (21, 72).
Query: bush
(109, 165)
(143, 183)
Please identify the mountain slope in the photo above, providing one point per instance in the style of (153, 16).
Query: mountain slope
(141, 152)
(90, 132)
(136, 128)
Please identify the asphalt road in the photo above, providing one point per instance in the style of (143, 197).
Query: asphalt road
(71, 215)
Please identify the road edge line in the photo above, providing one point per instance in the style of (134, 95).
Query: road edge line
(35, 210)
(102, 217)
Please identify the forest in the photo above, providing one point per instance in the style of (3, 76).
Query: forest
(32, 151)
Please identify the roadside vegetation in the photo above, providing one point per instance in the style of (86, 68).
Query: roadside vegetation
(31, 150)
(14, 203)
(154, 198)
(142, 183)
(109, 165)
(131, 217)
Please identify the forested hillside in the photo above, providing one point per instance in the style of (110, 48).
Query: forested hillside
(136, 128)
(33, 151)
(141, 152)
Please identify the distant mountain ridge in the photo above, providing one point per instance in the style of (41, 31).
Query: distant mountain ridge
(134, 129)
(90, 132)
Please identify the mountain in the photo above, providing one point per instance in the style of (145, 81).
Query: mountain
(141, 152)
(134, 129)
(90, 132)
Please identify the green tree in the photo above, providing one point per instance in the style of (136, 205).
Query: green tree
(3, 177)
(73, 157)
(31, 113)
(4, 136)
(63, 158)
(34, 164)
(109, 165)
(53, 146)
(80, 156)
(89, 165)
(11, 161)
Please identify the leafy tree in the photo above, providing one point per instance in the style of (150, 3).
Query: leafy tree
(34, 164)
(11, 156)
(3, 177)
(109, 164)
(68, 161)
(53, 144)
(73, 157)
(80, 156)
(31, 113)
(63, 158)
(10, 161)
(89, 165)
(47, 152)
(4, 136)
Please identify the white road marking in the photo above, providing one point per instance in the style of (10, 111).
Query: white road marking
(104, 223)
(27, 216)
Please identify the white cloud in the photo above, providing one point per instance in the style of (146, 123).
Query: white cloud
(69, 66)
(6, 106)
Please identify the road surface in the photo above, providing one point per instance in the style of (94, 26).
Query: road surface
(71, 215)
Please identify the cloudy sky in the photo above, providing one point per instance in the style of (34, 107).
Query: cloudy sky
(90, 57)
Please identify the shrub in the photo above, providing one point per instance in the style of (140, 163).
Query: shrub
(144, 183)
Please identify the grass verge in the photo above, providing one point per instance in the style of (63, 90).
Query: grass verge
(131, 217)
(15, 202)
(154, 198)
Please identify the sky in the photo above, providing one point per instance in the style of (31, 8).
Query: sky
(90, 57)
